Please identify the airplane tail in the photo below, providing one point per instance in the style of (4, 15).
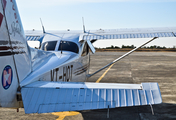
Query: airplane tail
(15, 56)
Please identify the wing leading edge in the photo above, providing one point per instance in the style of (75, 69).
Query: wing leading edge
(45, 97)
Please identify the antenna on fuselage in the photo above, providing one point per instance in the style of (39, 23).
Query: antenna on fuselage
(84, 31)
(42, 26)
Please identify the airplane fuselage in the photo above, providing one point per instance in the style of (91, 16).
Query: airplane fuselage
(73, 69)
(61, 58)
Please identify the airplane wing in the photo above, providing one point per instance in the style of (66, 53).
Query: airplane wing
(34, 35)
(34, 38)
(129, 33)
(45, 97)
(110, 33)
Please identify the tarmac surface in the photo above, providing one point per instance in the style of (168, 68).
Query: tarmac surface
(136, 68)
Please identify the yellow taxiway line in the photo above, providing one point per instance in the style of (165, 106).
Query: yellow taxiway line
(62, 115)
(104, 74)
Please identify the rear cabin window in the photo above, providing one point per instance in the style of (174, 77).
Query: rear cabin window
(68, 46)
(49, 46)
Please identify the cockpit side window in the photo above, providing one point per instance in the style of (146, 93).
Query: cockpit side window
(85, 50)
(48, 46)
(68, 46)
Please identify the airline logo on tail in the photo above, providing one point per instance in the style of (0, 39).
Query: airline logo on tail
(7, 76)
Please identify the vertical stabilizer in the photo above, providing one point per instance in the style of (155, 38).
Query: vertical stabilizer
(15, 58)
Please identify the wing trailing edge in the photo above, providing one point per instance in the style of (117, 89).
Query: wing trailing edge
(45, 97)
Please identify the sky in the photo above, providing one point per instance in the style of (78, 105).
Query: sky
(104, 14)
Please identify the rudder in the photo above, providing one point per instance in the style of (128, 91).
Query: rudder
(15, 58)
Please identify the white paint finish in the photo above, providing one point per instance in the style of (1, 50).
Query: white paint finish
(124, 35)
(67, 98)
(45, 62)
(45, 84)
(52, 37)
(115, 33)
(50, 61)
(60, 36)
(104, 31)
(3, 28)
(17, 37)
(8, 96)
(38, 57)
(34, 44)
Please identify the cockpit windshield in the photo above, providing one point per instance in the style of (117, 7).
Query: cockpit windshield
(68, 46)
(48, 46)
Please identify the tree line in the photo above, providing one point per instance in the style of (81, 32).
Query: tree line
(132, 47)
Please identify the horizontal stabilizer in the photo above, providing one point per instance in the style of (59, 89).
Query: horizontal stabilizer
(45, 97)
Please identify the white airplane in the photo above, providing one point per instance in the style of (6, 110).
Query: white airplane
(54, 78)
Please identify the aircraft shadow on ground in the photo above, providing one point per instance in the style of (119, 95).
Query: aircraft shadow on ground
(162, 111)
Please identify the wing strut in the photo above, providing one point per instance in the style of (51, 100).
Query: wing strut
(89, 75)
